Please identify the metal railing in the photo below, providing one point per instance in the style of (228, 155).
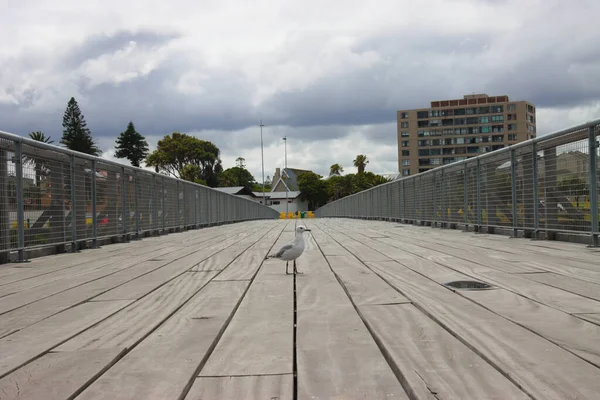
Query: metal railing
(543, 187)
(51, 196)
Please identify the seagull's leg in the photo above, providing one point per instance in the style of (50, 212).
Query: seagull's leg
(295, 270)
(286, 268)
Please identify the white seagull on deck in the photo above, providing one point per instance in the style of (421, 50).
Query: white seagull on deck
(291, 251)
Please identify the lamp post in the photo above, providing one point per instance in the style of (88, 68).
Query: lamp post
(286, 175)
(263, 163)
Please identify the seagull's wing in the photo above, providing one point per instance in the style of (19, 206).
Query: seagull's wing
(282, 250)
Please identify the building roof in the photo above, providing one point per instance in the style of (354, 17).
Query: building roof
(292, 174)
(292, 194)
(236, 190)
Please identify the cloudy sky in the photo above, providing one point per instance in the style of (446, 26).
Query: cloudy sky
(329, 75)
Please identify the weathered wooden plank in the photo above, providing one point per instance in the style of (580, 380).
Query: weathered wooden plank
(55, 376)
(37, 339)
(43, 291)
(362, 284)
(245, 266)
(148, 282)
(593, 318)
(433, 361)
(132, 323)
(162, 364)
(243, 387)
(573, 285)
(567, 331)
(526, 357)
(259, 339)
(324, 311)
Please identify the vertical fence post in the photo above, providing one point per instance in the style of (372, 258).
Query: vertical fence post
(136, 208)
(466, 197)
(403, 200)
(414, 182)
(536, 206)
(124, 213)
(479, 210)
(434, 220)
(513, 184)
(178, 206)
(593, 184)
(94, 207)
(162, 201)
(196, 200)
(73, 213)
(443, 184)
(20, 203)
(154, 206)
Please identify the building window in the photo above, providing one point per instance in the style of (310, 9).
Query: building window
(512, 117)
(434, 113)
(405, 172)
(512, 127)
(497, 118)
(497, 138)
(512, 136)
(404, 134)
(404, 124)
(405, 153)
(422, 114)
(485, 129)
(497, 109)
(406, 163)
(484, 120)
(511, 107)
(404, 115)
(405, 143)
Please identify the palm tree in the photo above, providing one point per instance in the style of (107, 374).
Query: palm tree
(39, 164)
(336, 169)
(361, 162)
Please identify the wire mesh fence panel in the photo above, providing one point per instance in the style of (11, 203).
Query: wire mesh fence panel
(426, 194)
(496, 190)
(80, 212)
(524, 171)
(8, 196)
(563, 170)
(596, 202)
(453, 194)
(472, 197)
(394, 201)
(146, 201)
(108, 199)
(204, 209)
(130, 200)
(438, 196)
(170, 204)
(409, 198)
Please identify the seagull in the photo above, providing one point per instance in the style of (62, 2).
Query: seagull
(293, 250)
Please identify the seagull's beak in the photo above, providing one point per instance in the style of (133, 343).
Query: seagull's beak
(307, 230)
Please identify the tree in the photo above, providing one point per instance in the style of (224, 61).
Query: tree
(76, 134)
(240, 162)
(38, 163)
(131, 145)
(174, 152)
(336, 169)
(192, 173)
(236, 176)
(312, 189)
(361, 162)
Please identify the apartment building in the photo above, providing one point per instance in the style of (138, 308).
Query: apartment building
(454, 130)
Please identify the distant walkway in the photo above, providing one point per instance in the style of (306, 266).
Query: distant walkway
(202, 315)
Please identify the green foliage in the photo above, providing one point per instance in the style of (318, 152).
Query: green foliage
(39, 164)
(236, 176)
(342, 186)
(361, 162)
(573, 186)
(336, 169)
(76, 134)
(312, 189)
(175, 152)
(132, 146)
(39, 136)
(257, 187)
(192, 173)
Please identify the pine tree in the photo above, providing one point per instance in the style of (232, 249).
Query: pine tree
(76, 134)
(132, 146)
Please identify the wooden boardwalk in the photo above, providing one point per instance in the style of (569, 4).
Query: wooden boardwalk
(203, 315)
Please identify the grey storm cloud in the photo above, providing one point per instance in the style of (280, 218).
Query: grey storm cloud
(312, 83)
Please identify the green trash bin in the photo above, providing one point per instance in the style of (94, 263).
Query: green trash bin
(303, 214)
